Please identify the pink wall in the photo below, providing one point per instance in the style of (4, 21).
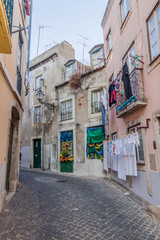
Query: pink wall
(134, 30)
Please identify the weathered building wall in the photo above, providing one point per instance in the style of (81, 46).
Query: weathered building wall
(50, 65)
(11, 107)
(82, 118)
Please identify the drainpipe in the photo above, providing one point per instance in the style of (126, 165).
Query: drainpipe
(29, 38)
(43, 105)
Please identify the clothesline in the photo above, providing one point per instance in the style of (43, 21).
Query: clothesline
(120, 155)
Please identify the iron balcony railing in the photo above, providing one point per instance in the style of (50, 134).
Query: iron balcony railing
(9, 12)
(19, 81)
(136, 81)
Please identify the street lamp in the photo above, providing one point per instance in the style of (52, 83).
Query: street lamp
(41, 98)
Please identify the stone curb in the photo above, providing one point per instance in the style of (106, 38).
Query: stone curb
(154, 211)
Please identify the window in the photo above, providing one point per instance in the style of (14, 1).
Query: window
(109, 43)
(63, 77)
(38, 83)
(97, 58)
(70, 70)
(66, 110)
(129, 58)
(9, 12)
(19, 57)
(23, 8)
(111, 79)
(96, 101)
(19, 81)
(37, 114)
(114, 136)
(139, 149)
(125, 8)
(154, 33)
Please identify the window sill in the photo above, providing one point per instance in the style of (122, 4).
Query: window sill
(66, 119)
(154, 60)
(141, 163)
(109, 55)
(95, 112)
(37, 124)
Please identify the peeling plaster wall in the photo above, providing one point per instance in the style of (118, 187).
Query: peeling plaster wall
(51, 70)
(82, 118)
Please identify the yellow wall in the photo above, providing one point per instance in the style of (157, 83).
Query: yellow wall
(9, 97)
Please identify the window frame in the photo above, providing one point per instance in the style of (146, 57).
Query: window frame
(19, 52)
(65, 106)
(157, 31)
(114, 136)
(138, 148)
(130, 63)
(126, 11)
(100, 91)
(37, 115)
(40, 83)
(108, 43)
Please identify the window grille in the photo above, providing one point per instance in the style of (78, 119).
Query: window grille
(9, 12)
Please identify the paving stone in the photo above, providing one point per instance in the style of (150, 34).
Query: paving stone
(65, 207)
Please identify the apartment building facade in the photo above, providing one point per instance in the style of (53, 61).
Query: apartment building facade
(39, 141)
(132, 38)
(80, 127)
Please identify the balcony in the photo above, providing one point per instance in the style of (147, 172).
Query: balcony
(6, 13)
(126, 106)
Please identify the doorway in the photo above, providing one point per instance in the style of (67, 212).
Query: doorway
(12, 171)
(37, 153)
(9, 155)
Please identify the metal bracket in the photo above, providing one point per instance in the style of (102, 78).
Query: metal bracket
(48, 105)
(147, 124)
(20, 29)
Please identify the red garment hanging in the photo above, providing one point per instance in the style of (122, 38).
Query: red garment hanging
(28, 9)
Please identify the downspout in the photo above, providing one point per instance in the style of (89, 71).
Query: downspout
(29, 39)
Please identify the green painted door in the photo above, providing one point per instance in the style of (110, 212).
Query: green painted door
(37, 153)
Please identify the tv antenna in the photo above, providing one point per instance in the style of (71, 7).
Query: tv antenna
(84, 45)
(52, 41)
(41, 27)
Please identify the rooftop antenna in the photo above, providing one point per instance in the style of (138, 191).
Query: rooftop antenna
(52, 40)
(84, 45)
(40, 27)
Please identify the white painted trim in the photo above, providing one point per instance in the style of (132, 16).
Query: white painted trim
(64, 122)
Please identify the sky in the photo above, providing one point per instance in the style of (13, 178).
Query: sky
(69, 20)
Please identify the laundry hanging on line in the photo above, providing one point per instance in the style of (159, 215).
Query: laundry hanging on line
(120, 155)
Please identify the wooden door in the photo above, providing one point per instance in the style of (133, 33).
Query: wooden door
(37, 153)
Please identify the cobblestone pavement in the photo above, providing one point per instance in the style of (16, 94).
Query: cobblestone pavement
(64, 207)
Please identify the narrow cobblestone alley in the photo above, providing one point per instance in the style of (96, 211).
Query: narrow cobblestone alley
(63, 207)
